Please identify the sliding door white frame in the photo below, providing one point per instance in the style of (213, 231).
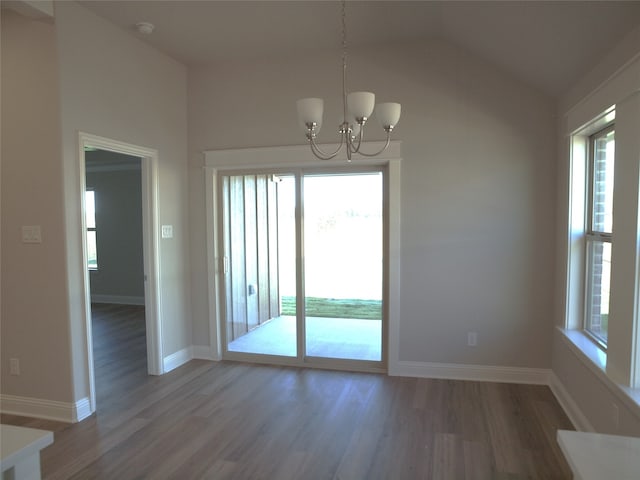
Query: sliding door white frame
(292, 159)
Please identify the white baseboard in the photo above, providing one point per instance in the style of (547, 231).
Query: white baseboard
(537, 376)
(200, 352)
(47, 409)
(482, 373)
(82, 409)
(204, 352)
(176, 359)
(75, 412)
(117, 299)
(569, 406)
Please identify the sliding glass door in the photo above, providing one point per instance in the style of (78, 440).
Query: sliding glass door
(343, 233)
(258, 214)
(303, 261)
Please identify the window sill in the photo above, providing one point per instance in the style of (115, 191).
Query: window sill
(595, 359)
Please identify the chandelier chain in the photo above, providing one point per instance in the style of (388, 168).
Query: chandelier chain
(344, 60)
(344, 29)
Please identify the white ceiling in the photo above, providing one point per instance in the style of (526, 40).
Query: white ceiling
(547, 44)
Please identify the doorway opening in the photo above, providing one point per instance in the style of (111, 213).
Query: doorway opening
(113, 216)
(119, 221)
(303, 266)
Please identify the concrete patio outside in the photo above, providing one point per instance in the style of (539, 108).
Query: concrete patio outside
(345, 338)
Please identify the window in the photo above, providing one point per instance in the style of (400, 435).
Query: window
(598, 233)
(90, 220)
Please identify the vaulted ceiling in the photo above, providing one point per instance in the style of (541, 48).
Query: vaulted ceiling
(547, 44)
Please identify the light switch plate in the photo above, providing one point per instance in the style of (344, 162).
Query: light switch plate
(167, 231)
(31, 234)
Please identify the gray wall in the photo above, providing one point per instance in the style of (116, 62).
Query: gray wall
(78, 73)
(34, 320)
(116, 181)
(477, 187)
(115, 86)
(595, 390)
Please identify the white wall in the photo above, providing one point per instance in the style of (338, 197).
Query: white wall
(614, 81)
(478, 187)
(603, 71)
(34, 321)
(478, 190)
(114, 86)
(78, 73)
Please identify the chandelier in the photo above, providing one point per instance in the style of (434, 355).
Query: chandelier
(357, 107)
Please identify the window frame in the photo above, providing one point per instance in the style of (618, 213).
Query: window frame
(592, 236)
(93, 229)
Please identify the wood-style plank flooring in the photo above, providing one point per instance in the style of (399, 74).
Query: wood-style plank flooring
(240, 421)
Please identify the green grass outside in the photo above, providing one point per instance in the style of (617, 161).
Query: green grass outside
(336, 308)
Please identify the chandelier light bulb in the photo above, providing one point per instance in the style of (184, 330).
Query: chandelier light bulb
(360, 104)
(310, 111)
(355, 129)
(388, 114)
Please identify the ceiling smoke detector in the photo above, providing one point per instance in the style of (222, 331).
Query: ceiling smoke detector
(145, 28)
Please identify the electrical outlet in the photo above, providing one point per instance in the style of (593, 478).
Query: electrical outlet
(472, 339)
(14, 366)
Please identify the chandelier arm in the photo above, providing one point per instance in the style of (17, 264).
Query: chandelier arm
(386, 145)
(318, 152)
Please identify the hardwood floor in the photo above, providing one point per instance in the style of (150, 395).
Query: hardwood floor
(119, 349)
(241, 421)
